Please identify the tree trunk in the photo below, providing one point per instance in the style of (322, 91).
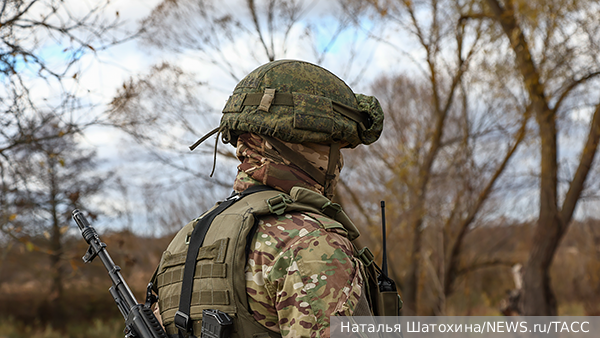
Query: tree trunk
(56, 289)
(56, 270)
(538, 298)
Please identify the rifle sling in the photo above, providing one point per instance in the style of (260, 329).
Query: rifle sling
(182, 317)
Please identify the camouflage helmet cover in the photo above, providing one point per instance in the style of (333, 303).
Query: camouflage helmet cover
(298, 102)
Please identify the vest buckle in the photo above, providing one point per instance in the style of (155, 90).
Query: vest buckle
(182, 321)
(366, 256)
(331, 209)
(278, 204)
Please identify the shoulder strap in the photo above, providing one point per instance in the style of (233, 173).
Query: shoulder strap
(182, 317)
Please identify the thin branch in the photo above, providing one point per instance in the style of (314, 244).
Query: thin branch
(356, 201)
(252, 8)
(483, 195)
(572, 86)
(483, 265)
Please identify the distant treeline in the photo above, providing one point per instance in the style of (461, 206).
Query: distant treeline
(25, 276)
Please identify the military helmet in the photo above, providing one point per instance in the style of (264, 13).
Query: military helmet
(299, 102)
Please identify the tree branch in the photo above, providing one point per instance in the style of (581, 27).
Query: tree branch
(483, 195)
(572, 86)
(356, 202)
(484, 264)
(252, 8)
(587, 158)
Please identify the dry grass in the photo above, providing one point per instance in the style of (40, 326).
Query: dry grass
(94, 329)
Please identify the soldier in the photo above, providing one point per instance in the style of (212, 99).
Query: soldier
(276, 258)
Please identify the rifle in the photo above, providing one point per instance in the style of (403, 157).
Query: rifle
(140, 322)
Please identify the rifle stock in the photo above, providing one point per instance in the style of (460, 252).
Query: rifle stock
(140, 322)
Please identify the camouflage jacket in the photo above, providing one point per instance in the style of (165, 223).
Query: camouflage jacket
(298, 274)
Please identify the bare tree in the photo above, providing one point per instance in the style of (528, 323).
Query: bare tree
(41, 45)
(552, 81)
(43, 173)
(465, 175)
(555, 54)
(238, 35)
(431, 138)
(34, 35)
(50, 179)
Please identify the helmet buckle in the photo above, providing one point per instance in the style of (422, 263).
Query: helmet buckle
(267, 99)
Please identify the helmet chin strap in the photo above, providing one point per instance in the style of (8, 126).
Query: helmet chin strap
(334, 157)
(325, 179)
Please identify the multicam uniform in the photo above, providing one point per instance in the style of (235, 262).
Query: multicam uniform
(298, 273)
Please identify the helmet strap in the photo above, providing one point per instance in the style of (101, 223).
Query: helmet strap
(326, 179)
(334, 157)
(217, 131)
(299, 161)
(215, 153)
(210, 133)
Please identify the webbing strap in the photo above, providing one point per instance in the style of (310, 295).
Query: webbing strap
(267, 99)
(354, 114)
(334, 157)
(214, 297)
(299, 161)
(202, 271)
(210, 133)
(182, 317)
(287, 99)
(279, 99)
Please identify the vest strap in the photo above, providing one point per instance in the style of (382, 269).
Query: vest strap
(182, 316)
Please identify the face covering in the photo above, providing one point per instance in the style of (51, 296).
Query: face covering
(263, 163)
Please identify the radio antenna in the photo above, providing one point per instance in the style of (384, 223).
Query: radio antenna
(384, 266)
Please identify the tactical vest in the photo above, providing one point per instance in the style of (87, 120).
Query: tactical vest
(219, 281)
